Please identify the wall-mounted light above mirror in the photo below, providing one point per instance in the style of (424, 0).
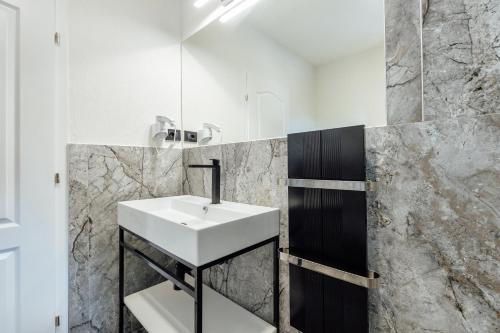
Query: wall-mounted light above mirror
(226, 9)
(200, 3)
(238, 8)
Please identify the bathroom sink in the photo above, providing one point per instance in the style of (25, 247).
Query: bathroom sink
(196, 231)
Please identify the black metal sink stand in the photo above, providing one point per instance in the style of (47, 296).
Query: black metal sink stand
(177, 277)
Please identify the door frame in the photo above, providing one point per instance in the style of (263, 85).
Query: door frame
(61, 140)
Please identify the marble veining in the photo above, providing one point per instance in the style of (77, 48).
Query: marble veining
(79, 240)
(434, 226)
(403, 61)
(252, 173)
(461, 46)
(100, 177)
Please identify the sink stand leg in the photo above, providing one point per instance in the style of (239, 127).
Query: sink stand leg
(121, 284)
(198, 301)
(276, 285)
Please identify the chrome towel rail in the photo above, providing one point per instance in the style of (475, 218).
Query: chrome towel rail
(345, 185)
(370, 282)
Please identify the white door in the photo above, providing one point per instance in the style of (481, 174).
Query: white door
(27, 116)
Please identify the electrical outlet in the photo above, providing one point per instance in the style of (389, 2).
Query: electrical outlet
(190, 136)
(170, 136)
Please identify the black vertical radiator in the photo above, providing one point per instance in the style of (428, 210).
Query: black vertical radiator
(329, 277)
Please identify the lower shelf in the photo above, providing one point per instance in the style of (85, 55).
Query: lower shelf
(161, 309)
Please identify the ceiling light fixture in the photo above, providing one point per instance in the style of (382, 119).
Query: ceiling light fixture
(200, 3)
(238, 9)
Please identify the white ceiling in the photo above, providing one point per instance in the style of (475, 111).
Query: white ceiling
(321, 30)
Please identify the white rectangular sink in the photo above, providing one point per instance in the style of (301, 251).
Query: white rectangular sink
(196, 231)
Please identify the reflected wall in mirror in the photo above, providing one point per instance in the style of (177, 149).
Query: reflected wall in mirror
(265, 68)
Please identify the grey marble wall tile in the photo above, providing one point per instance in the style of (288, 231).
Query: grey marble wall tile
(251, 173)
(112, 174)
(79, 228)
(247, 280)
(433, 223)
(461, 43)
(434, 226)
(403, 61)
(162, 172)
(115, 174)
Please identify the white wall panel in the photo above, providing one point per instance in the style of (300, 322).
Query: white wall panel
(124, 69)
(8, 291)
(8, 113)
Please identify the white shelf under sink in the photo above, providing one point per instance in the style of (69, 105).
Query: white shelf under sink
(161, 309)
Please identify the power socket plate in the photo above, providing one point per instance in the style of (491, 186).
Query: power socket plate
(190, 136)
(170, 136)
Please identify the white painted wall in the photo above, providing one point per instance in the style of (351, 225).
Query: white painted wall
(222, 63)
(61, 194)
(124, 68)
(351, 90)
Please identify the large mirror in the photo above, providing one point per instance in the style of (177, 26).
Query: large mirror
(259, 69)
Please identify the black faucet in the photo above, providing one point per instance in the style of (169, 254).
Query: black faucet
(215, 178)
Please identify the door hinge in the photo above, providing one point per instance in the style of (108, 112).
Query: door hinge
(57, 321)
(57, 39)
(57, 178)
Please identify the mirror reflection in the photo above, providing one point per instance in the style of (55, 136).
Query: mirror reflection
(257, 69)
